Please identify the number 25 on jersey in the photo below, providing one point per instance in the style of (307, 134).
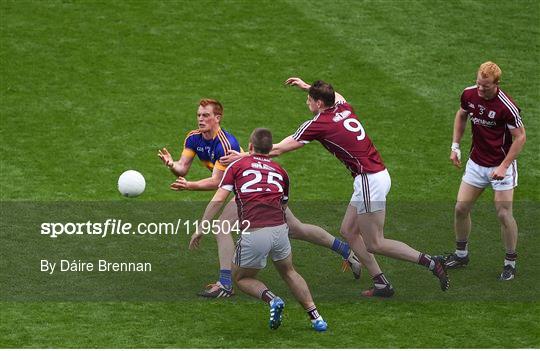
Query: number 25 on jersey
(257, 180)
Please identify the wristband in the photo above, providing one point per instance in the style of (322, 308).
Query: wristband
(456, 150)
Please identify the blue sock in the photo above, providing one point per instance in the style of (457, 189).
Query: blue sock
(225, 278)
(341, 248)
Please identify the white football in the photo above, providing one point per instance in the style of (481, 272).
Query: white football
(131, 183)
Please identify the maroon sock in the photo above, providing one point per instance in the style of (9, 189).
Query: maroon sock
(511, 256)
(425, 260)
(461, 245)
(312, 312)
(267, 296)
(380, 281)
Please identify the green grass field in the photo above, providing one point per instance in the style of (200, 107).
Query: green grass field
(89, 89)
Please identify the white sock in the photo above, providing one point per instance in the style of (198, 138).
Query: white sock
(462, 253)
(510, 263)
(318, 319)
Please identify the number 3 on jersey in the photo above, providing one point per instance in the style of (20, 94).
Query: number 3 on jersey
(353, 125)
(258, 178)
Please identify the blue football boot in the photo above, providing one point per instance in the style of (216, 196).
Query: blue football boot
(276, 312)
(319, 325)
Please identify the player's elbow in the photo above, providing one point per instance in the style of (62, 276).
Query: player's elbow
(523, 138)
(214, 183)
(520, 139)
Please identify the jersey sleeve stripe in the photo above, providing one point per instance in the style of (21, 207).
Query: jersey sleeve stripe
(301, 130)
(222, 143)
(225, 142)
(509, 104)
(513, 109)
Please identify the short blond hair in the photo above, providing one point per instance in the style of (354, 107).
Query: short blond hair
(490, 69)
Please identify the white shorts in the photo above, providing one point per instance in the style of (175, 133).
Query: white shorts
(480, 176)
(370, 190)
(252, 248)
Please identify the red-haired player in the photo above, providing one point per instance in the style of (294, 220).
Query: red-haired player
(498, 137)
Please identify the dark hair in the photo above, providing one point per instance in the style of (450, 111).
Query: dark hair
(261, 139)
(321, 90)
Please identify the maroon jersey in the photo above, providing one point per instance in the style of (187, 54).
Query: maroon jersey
(340, 132)
(491, 122)
(261, 187)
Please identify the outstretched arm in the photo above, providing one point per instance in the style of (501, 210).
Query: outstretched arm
(179, 168)
(232, 156)
(210, 183)
(298, 82)
(286, 145)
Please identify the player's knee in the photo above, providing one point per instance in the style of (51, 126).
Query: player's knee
(504, 215)
(347, 233)
(291, 275)
(285, 270)
(462, 209)
(373, 246)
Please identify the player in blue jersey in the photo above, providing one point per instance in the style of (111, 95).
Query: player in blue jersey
(209, 143)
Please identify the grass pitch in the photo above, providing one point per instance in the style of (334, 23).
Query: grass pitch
(90, 89)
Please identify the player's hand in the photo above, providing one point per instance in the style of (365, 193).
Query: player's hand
(166, 157)
(195, 241)
(294, 81)
(499, 173)
(231, 156)
(455, 157)
(180, 184)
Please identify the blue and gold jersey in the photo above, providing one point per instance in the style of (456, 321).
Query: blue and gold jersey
(210, 151)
